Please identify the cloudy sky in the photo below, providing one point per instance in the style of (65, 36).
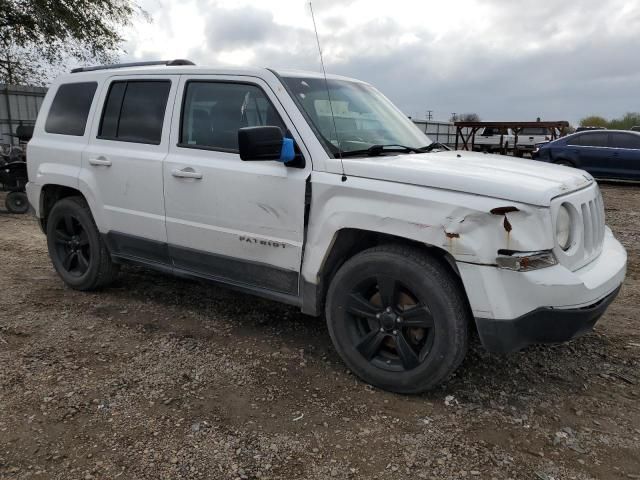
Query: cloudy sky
(503, 59)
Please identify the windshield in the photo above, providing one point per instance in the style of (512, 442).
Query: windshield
(364, 118)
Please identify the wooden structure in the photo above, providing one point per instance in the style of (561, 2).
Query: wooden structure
(466, 131)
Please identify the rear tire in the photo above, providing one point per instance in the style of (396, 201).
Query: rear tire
(77, 251)
(398, 318)
(17, 202)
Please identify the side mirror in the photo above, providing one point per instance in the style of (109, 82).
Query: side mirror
(265, 143)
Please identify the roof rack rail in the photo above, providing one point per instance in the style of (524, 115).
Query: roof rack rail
(168, 63)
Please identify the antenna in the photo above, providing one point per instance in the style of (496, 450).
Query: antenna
(326, 83)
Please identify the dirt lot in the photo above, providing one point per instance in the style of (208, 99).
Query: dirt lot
(162, 378)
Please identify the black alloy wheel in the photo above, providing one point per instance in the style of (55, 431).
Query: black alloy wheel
(388, 325)
(72, 245)
(77, 250)
(398, 317)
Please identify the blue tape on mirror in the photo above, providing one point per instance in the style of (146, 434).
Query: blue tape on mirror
(287, 153)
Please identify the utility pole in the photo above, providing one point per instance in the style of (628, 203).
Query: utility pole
(429, 115)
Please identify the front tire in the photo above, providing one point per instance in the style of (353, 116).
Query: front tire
(398, 318)
(77, 251)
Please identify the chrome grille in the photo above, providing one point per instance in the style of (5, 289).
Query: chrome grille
(590, 222)
(593, 225)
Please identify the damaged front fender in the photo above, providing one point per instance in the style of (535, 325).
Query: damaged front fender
(476, 236)
(471, 228)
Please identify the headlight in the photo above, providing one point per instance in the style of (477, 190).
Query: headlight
(563, 228)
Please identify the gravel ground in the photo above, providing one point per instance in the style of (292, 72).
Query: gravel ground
(159, 378)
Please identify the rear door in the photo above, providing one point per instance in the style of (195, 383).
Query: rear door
(235, 221)
(624, 155)
(122, 165)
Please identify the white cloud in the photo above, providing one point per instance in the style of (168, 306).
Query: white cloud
(502, 59)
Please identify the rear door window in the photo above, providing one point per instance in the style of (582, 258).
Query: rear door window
(134, 111)
(70, 109)
(624, 140)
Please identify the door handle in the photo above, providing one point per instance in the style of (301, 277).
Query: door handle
(186, 173)
(100, 162)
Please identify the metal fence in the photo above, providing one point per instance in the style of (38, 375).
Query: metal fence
(442, 132)
(19, 105)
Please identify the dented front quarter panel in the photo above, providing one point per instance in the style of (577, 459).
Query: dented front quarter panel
(471, 228)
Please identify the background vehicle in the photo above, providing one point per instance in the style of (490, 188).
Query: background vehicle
(528, 138)
(488, 140)
(318, 192)
(584, 129)
(13, 173)
(603, 153)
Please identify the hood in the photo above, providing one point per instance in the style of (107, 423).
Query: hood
(497, 176)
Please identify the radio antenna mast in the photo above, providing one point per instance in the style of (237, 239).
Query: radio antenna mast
(326, 83)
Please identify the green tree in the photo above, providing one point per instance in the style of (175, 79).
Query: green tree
(594, 121)
(37, 36)
(630, 119)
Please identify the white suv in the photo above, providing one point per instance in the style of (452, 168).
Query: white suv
(323, 195)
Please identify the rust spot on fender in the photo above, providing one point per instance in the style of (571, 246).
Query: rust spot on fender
(452, 235)
(503, 210)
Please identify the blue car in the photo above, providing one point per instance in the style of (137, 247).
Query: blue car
(611, 154)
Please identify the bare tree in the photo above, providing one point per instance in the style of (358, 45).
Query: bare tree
(465, 117)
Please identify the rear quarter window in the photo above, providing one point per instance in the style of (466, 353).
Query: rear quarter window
(70, 109)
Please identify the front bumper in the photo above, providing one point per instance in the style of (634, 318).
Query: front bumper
(544, 325)
(552, 304)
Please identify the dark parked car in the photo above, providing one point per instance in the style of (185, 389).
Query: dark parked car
(602, 153)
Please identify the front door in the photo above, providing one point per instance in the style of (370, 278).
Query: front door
(122, 165)
(593, 152)
(235, 221)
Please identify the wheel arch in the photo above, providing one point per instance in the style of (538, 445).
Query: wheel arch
(52, 193)
(348, 242)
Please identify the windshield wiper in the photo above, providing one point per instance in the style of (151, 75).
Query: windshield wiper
(434, 146)
(375, 150)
